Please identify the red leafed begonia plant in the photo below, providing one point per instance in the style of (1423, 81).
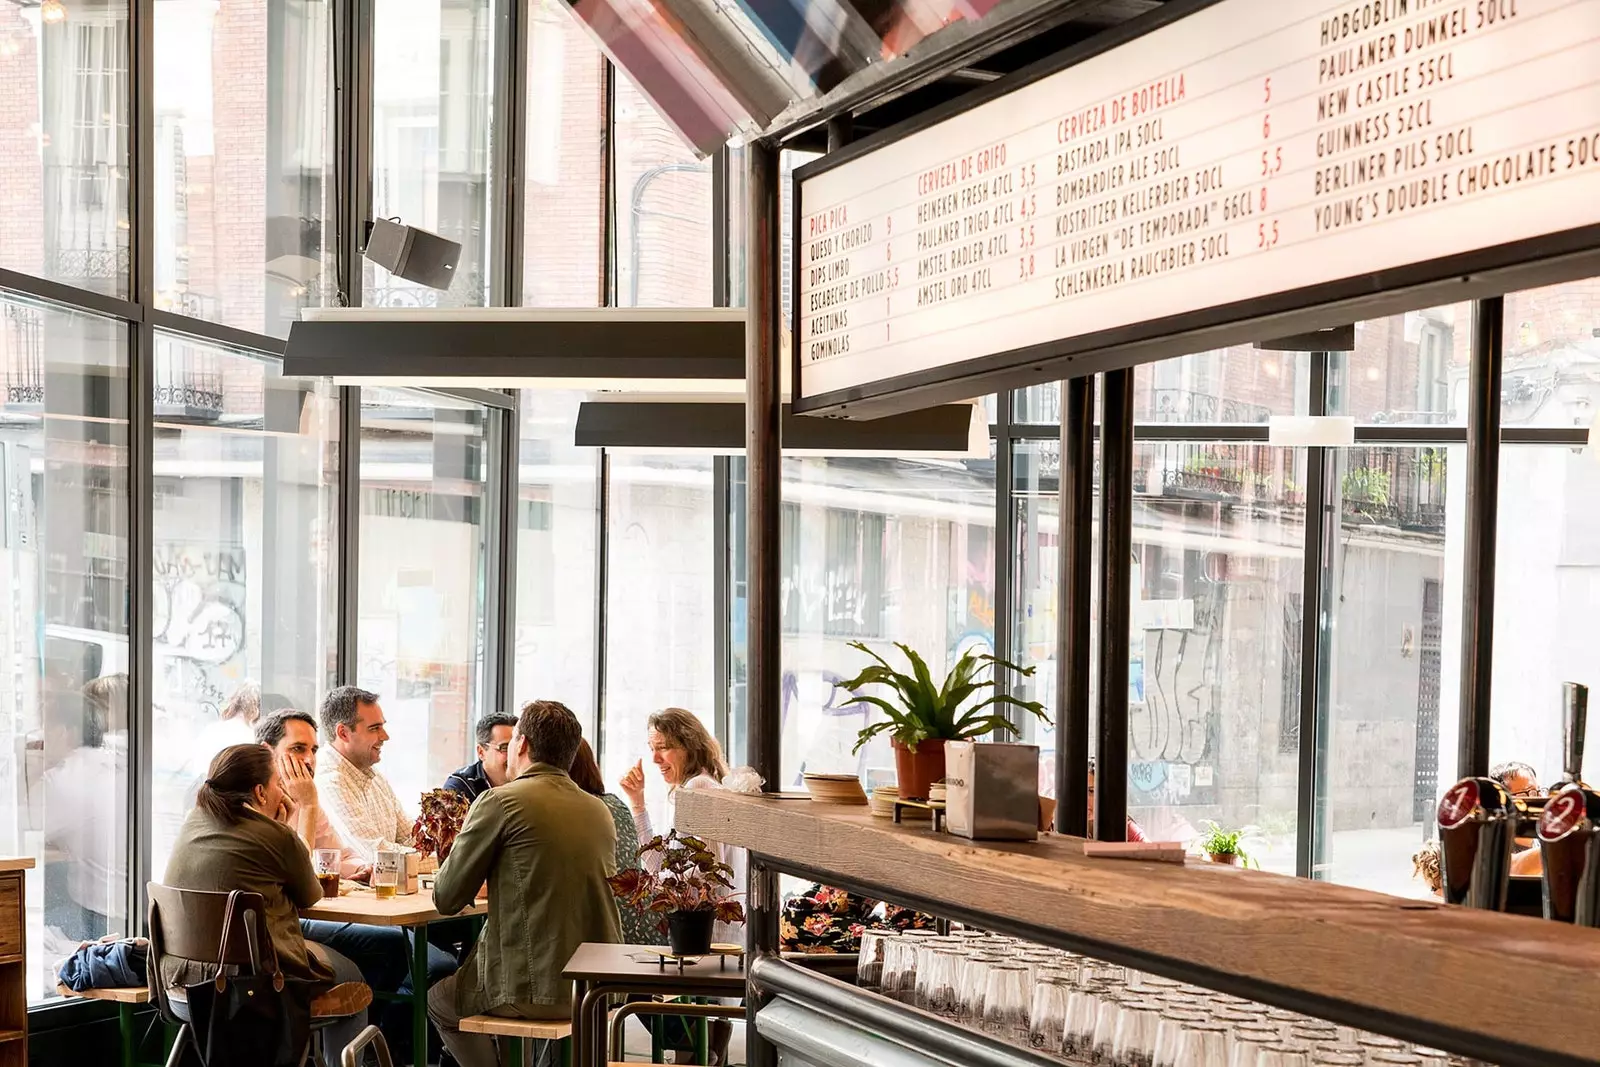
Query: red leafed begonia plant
(690, 878)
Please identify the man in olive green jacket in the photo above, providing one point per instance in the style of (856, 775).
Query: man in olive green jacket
(546, 848)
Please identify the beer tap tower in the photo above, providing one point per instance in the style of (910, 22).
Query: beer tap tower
(1480, 824)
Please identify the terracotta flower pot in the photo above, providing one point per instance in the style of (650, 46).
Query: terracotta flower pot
(918, 770)
(1230, 858)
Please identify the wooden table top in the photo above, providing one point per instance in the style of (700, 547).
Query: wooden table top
(616, 963)
(363, 906)
(16, 863)
(1367, 955)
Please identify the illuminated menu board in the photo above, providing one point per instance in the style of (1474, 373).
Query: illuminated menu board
(1252, 148)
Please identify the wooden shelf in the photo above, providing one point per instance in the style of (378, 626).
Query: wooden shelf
(1449, 973)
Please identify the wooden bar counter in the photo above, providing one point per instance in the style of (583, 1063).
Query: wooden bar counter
(1514, 989)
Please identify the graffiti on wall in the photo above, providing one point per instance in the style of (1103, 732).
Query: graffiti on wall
(1172, 731)
(198, 617)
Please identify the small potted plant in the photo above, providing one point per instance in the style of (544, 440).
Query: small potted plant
(443, 811)
(924, 715)
(1226, 846)
(691, 890)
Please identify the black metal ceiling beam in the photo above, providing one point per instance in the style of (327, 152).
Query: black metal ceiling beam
(502, 349)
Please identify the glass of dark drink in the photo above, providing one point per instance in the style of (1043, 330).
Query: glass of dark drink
(326, 863)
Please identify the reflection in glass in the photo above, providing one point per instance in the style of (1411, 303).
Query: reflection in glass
(1214, 683)
(244, 568)
(663, 209)
(1547, 562)
(563, 196)
(556, 504)
(1406, 369)
(1391, 670)
(877, 551)
(64, 132)
(64, 622)
(243, 183)
(430, 140)
(1551, 373)
(421, 606)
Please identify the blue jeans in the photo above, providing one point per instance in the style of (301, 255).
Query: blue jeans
(382, 952)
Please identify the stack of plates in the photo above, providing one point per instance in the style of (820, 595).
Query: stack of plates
(883, 799)
(835, 788)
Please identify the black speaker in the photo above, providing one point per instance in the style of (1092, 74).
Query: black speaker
(413, 254)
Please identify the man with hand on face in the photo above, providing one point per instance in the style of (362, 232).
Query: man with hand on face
(292, 736)
(383, 953)
(494, 748)
(364, 811)
(360, 802)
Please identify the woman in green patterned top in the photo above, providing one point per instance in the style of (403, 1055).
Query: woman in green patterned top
(637, 928)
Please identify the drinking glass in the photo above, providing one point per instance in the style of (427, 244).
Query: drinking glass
(869, 967)
(325, 861)
(1337, 1057)
(1310, 1035)
(1006, 1002)
(386, 874)
(1283, 1056)
(1203, 1045)
(1170, 1031)
(1245, 1045)
(1134, 1044)
(1077, 1038)
(973, 978)
(1374, 1043)
(938, 971)
(1106, 1014)
(899, 969)
(1047, 1016)
(1236, 1016)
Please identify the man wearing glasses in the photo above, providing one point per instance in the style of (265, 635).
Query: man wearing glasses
(494, 744)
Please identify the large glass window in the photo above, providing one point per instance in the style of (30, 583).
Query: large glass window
(432, 68)
(1214, 674)
(556, 557)
(243, 179)
(564, 194)
(1547, 580)
(1392, 654)
(64, 622)
(875, 551)
(64, 143)
(244, 569)
(663, 209)
(421, 613)
(660, 606)
(1241, 384)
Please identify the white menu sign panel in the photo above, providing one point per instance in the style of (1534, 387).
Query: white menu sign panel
(1252, 148)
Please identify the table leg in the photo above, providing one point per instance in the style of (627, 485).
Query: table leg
(419, 995)
(579, 990)
(130, 1035)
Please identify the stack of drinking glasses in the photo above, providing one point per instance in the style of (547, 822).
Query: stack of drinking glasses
(1088, 1013)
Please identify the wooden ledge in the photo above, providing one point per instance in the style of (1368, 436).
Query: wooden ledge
(1285, 938)
(538, 1029)
(133, 994)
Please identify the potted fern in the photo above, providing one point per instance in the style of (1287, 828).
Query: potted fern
(924, 715)
(1226, 846)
